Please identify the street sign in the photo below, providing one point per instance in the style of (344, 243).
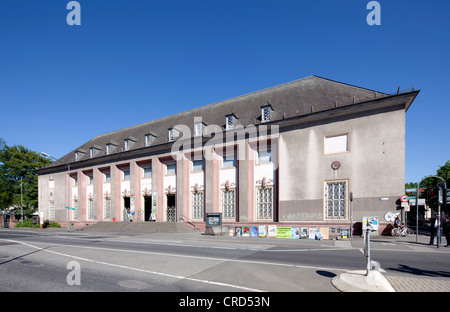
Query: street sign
(70, 208)
(410, 190)
(404, 198)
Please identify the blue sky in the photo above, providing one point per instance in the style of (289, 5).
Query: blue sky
(131, 61)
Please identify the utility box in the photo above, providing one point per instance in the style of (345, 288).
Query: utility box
(214, 224)
(213, 219)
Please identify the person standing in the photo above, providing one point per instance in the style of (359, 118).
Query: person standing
(447, 230)
(433, 229)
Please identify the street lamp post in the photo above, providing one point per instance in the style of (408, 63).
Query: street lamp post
(68, 189)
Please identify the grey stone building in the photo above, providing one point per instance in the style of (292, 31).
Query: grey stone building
(287, 155)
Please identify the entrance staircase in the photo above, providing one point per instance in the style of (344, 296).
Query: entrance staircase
(141, 227)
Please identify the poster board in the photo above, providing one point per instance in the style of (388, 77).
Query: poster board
(262, 231)
(284, 232)
(295, 233)
(304, 233)
(325, 231)
(272, 232)
(312, 233)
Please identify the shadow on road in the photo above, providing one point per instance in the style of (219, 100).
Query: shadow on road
(419, 272)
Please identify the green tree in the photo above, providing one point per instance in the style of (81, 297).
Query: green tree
(17, 169)
(444, 172)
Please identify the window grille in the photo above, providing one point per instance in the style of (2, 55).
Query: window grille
(197, 205)
(229, 122)
(75, 214)
(90, 209)
(198, 129)
(107, 214)
(336, 200)
(228, 204)
(171, 135)
(265, 114)
(265, 203)
(51, 211)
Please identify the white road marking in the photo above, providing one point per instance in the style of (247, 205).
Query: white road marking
(131, 268)
(188, 256)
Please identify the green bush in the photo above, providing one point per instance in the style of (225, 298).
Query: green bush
(50, 224)
(27, 223)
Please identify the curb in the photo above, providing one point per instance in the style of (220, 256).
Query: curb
(358, 281)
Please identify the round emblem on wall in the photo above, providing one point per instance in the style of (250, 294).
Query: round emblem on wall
(335, 165)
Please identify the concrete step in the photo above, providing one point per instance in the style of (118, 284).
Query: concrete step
(141, 227)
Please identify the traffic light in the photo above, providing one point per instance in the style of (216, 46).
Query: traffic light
(447, 196)
(432, 198)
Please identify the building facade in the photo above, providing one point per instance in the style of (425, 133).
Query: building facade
(293, 154)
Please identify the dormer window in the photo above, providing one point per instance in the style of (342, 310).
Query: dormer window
(78, 155)
(198, 128)
(149, 139)
(109, 148)
(92, 152)
(230, 121)
(171, 135)
(128, 143)
(266, 111)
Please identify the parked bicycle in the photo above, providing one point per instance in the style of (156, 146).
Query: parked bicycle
(401, 231)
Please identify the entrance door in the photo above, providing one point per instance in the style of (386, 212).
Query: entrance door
(126, 209)
(147, 208)
(171, 208)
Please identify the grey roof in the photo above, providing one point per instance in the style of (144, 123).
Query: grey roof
(304, 96)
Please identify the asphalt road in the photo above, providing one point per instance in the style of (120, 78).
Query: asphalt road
(41, 262)
(47, 261)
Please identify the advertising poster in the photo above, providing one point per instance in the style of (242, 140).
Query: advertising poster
(304, 233)
(238, 231)
(284, 232)
(272, 231)
(295, 233)
(254, 231)
(262, 231)
(246, 231)
(325, 232)
(312, 233)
